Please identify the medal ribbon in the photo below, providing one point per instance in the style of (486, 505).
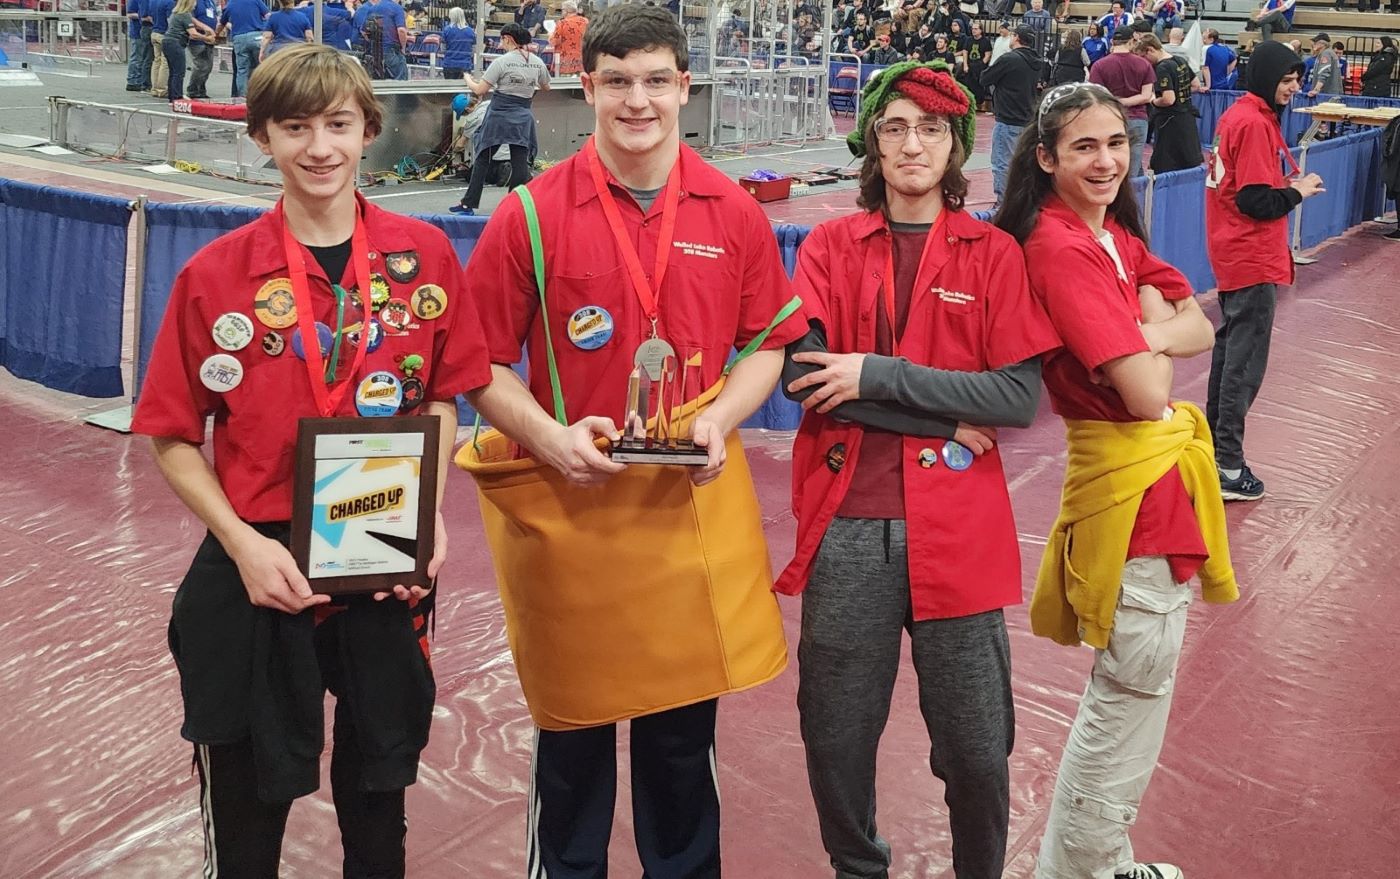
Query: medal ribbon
(933, 234)
(327, 400)
(647, 293)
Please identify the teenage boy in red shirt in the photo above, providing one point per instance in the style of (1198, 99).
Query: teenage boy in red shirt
(253, 644)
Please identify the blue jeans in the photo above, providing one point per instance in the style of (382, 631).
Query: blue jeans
(394, 64)
(1003, 144)
(1163, 24)
(138, 62)
(175, 60)
(245, 57)
(1137, 134)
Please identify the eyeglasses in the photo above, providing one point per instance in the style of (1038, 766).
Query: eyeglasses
(895, 131)
(652, 83)
(1060, 93)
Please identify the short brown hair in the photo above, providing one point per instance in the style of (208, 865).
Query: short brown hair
(621, 30)
(301, 81)
(1147, 43)
(872, 179)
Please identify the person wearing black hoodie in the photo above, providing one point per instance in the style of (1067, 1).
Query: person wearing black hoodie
(1375, 81)
(1012, 80)
(1248, 201)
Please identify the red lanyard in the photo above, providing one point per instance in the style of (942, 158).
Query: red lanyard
(327, 401)
(933, 234)
(648, 294)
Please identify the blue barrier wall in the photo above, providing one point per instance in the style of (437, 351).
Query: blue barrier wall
(62, 280)
(67, 332)
(1213, 104)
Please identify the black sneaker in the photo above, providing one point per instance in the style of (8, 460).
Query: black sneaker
(1151, 871)
(1246, 488)
(1393, 236)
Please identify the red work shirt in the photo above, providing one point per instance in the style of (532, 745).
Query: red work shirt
(970, 311)
(1249, 150)
(1099, 316)
(724, 282)
(255, 423)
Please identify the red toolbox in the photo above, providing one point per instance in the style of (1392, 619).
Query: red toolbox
(767, 190)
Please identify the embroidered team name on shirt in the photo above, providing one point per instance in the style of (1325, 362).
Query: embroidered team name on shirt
(956, 297)
(367, 504)
(708, 251)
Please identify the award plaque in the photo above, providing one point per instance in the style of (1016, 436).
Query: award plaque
(669, 437)
(364, 502)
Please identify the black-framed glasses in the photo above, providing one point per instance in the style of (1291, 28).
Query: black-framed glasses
(896, 131)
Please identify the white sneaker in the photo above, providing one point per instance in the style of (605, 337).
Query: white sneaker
(1151, 871)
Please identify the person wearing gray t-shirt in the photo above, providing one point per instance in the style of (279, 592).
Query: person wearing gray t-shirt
(512, 81)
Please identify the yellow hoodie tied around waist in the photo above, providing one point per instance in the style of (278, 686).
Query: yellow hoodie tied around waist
(1111, 464)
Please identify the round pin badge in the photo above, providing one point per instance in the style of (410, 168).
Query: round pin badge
(273, 343)
(402, 267)
(376, 335)
(274, 305)
(233, 331)
(956, 455)
(379, 292)
(395, 316)
(221, 373)
(412, 393)
(927, 458)
(379, 395)
(323, 335)
(429, 301)
(590, 327)
(836, 457)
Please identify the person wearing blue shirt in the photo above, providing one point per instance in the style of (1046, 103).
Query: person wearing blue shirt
(244, 21)
(530, 15)
(336, 29)
(285, 27)
(1095, 46)
(1274, 15)
(1116, 18)
(160, 71)
(395, 37)
(1220, 63)
(458, 45)
(138, 38)
(206, 12)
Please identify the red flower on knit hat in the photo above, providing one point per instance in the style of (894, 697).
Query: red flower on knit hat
(935, 92)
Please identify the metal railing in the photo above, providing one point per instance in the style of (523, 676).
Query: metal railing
(215, 145)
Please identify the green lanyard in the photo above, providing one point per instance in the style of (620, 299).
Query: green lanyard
(334, 362)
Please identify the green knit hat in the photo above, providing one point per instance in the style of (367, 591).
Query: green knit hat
(931, 85)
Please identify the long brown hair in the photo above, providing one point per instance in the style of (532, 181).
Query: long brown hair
(1028, 185)
(872, 179)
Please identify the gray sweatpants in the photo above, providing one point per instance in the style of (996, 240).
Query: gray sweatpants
(854, 613)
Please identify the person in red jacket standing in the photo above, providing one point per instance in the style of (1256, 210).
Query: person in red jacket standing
(1248, 200)
(921, 325)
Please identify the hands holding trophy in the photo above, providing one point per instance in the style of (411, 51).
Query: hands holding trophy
(669, 438)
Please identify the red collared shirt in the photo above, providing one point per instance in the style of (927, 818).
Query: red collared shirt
(724, 283)
(255, 424)
(970, 310)
(1098, 315)
(1249, 151)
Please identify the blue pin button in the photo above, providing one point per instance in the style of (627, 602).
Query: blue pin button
(956, 455)
(323, 335)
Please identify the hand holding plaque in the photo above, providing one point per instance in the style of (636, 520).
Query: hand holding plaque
(668, 438)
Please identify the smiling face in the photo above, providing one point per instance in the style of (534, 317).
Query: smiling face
(318, 155)
(911, 167)
(1289, 86)
(1090, 161)
(637, 100)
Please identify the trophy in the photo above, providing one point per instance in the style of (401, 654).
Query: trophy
(658, 374)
